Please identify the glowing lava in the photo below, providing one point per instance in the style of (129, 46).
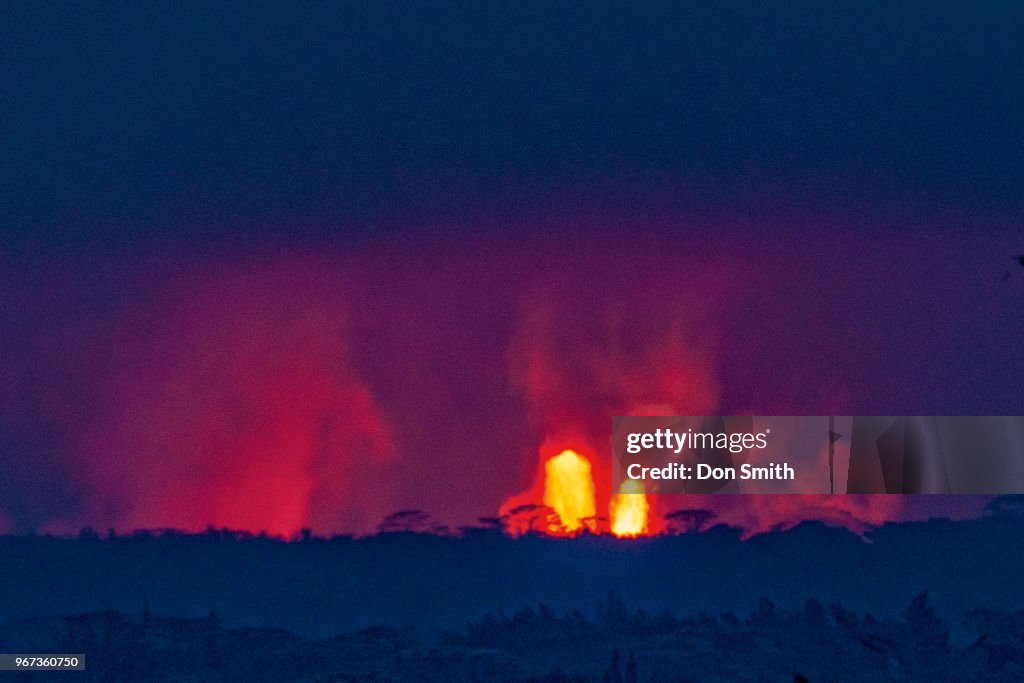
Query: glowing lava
(569, 488)
(628, 510)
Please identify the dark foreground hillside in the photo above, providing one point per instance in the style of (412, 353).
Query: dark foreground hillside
(321, 587)
(614, 644)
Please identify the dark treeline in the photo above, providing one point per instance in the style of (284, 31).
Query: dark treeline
(612, 644)
(413, 599)
(317, 587)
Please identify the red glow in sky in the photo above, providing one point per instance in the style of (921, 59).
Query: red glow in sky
(280, 391)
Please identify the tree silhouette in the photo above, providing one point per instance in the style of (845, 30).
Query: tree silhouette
(595, 524)
(410, 521)
(531, 519)
(1006, 506)
(631, 673)
(613, 674)
(688, 521)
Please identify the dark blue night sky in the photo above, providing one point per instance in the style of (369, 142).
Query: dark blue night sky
(186, 118)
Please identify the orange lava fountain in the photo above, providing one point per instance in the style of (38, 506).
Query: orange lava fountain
(564, 500)
(629, 509)
(569, 488)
